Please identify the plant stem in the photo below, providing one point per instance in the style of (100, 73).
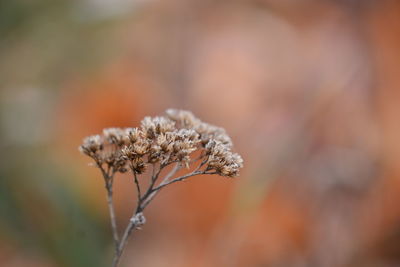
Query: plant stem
(168, 182)
(143, 201)
(120, 249)
(137, 185)
(108, 180)
(112, 217)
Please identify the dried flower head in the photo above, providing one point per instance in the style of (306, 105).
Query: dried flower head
(164, 140)
(132, 135)
(114, 136)
(222, 160)
(152, 127)
(156, 144)
(91, 145)
(206, 131)
(209, 132)
(184, 119)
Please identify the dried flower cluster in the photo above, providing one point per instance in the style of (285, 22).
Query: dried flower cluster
(164, 140)
(158, 143)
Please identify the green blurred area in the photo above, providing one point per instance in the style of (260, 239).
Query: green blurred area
(43, 43)
(40, 213)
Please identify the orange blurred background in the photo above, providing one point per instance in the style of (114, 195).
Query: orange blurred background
(307, 89)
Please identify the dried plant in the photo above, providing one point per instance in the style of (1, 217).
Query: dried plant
(159, 142)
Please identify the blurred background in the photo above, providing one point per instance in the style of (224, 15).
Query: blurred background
(308, 90)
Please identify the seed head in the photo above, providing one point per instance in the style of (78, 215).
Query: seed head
(114, 136)
(222, 160)
(132, 135)
(210, 132)
(152, 127)
(184, 118)
(91, 145)
(164, 140)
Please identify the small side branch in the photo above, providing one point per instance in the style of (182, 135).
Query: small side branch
(108, 180)
(137, 185)
(184, 177)
(135, 222)
(176, 168)
(166, 182)
(112, 217)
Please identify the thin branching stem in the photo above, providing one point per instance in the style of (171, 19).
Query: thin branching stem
(181, 178)
(154, 179)
(174, 170)
(112, 217)
(146, 199)
(143, 201)
(151, 192)
(168, 182)
(108, 180)
(139, 195)
(153, 172)
(124, 240)
(201, 164)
